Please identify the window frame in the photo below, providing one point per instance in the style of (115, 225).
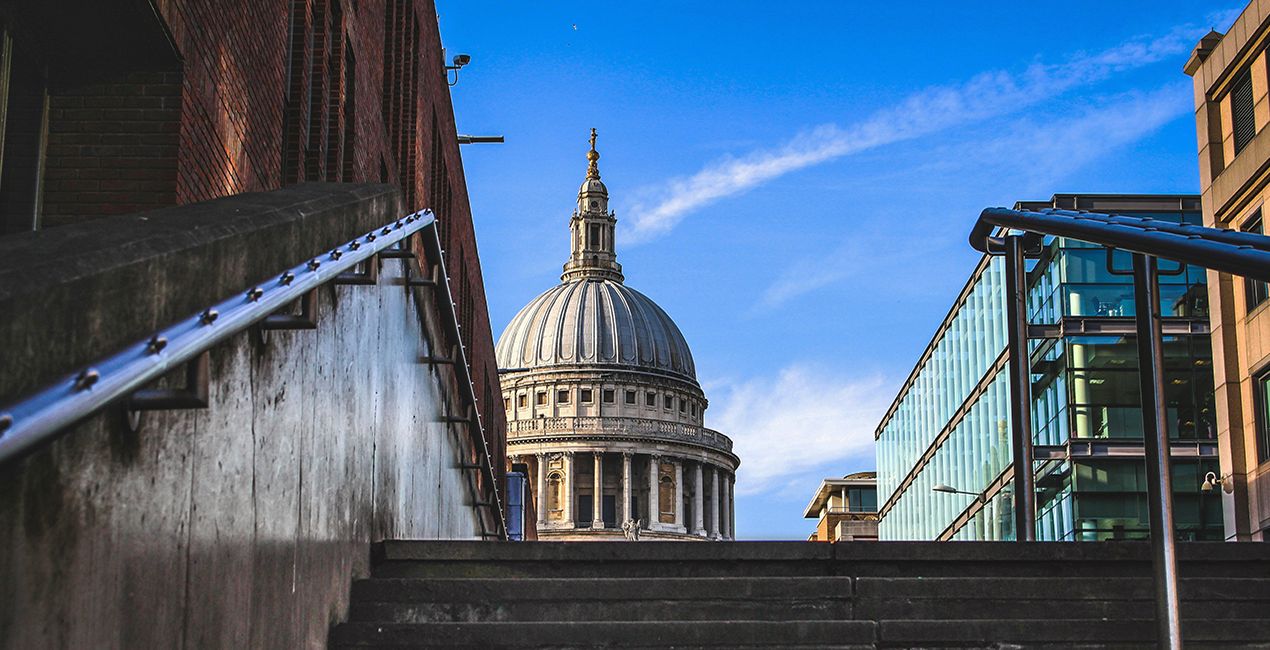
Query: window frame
(608, 395)
(562, 396)
(1261, 419)
(1256, 292)
(586, 396)
(1239, 88)
(632, 398)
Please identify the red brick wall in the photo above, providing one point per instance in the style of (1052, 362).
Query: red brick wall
(112, 147)
(267, 98)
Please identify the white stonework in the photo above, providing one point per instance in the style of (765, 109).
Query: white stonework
(603, 403)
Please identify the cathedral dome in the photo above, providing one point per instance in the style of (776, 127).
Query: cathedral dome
(595, 322)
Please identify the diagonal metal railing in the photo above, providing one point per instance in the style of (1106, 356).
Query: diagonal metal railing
(1018, 233)
(121, 378)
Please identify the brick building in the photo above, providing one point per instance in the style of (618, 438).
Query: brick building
(117, 106)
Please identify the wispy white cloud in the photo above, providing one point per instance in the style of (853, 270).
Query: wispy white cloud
(803, 417)
(932, 110)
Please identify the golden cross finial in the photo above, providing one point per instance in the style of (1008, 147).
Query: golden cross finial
(593, 168)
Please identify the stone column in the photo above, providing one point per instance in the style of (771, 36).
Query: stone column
(698, 501)
(567, 515)
(679, 496)
(541, 496)
(732, 506)
(727, 507)
(714, 502)
(597, 497)
(625, 508)
(654, 502)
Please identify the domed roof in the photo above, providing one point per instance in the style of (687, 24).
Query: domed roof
(595, 322)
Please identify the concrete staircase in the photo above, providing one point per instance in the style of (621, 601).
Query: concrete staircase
(799, 595)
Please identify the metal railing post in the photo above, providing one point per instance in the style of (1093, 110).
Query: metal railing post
(1020, 389)
(1146, 293)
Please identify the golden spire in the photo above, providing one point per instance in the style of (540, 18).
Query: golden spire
(593, 168)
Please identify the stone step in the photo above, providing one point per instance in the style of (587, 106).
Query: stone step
(422, 559)
(1067, 632)
(602, 610)
(588, 599)
(608, 589)
(661, 634)
(1066, 588)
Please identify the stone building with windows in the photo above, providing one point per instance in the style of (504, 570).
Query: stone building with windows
(847, 509)
(1232, 110)
(603, 403)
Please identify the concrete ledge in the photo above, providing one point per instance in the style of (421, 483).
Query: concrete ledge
(73, 294)
(728, 634)
(941, 552)
(626, 589)
(602, 551)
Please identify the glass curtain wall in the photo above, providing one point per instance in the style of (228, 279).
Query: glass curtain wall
(1084, 388)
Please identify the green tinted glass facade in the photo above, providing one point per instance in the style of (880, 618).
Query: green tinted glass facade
(950, 426)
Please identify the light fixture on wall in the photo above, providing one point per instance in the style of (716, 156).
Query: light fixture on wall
(1212, 480)
(480, 139)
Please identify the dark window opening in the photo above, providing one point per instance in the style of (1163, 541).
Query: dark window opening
(562, 397)
(1262, 399)
(608, 396)
(1243, 116)
(630, 397)
(1255, 291)
(650, 399)
(585, 395)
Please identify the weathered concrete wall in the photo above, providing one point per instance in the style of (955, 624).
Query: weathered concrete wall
(240, 525)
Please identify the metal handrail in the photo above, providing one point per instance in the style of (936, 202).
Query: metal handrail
(1241, 253)
(617, 424)
(42, 417)
(432, 248)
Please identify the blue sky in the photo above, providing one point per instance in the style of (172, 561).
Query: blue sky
(794, 182)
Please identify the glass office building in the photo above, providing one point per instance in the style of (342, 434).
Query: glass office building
(949, 425)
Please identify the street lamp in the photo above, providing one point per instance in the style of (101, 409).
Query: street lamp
(948, 489)
(1212, 480)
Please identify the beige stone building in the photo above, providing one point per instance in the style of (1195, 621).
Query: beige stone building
(1231, 115)
(847, 509)
(603, 403)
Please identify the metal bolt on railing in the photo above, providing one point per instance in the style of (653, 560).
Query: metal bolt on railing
(86, 379)
(209, 316)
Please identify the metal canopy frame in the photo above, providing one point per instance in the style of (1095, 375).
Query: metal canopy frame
(122, 378)
(1239, 253)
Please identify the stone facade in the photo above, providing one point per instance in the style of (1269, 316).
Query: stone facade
(1230, 81)
(847, 509)
(603, 405)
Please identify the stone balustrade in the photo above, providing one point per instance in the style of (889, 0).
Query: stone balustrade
(642, 427)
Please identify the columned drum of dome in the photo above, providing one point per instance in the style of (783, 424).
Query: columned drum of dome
(603, 403)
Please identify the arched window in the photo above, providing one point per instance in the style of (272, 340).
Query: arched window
(555, 490)
(666, 500)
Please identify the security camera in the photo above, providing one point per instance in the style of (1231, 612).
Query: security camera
(461, 60)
